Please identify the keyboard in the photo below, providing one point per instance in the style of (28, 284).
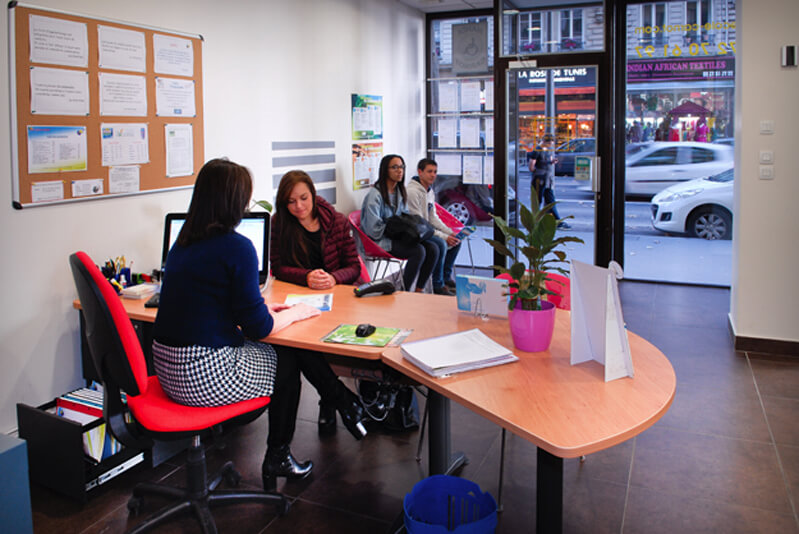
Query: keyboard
(152, 302)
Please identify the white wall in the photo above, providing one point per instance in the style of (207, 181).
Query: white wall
(272, 70)
(765, 286)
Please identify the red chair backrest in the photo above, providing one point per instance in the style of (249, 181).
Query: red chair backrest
(113, 343)
(370, 248)
(447, 218)
(556, 283)
(365, 278)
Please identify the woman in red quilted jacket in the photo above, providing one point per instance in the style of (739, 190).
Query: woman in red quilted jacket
(312, 245)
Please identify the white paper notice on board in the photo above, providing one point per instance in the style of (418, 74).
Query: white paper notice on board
(59, 91)
(598, 331)
(179, 150)
(472, 169)
(447, 133)
(121, 49)
(124, 144)
(56, 149)
(87, 188)
(123, 95)
(449, 164)
(173, 55)
(174, 97)
(59, 42)
(123, 179)
(47, 191)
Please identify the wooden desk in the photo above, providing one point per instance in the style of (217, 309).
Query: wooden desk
(566, 411)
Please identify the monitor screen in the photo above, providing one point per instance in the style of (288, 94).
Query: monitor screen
(254, 226)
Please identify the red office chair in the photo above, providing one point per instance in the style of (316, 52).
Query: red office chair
(561, 285)
(149, 414)
(557, 283)
(372, 251)
(455, 226)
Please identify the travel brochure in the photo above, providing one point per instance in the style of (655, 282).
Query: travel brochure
(322, 302)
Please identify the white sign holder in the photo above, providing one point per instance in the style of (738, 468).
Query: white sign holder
(598, 331)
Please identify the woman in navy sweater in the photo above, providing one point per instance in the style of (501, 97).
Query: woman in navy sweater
(211, 316)
(312, 245)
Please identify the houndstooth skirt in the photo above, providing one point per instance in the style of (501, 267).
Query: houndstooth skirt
(205, 376)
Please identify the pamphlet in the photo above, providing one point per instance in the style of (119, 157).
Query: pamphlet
(456, 353)
(481, 295)
(322, 302)
(465, 232)
(345, 333)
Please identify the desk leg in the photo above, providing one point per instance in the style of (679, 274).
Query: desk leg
(441, 459)
(549, 493)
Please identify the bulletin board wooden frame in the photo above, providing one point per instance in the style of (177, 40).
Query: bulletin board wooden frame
(153, 173)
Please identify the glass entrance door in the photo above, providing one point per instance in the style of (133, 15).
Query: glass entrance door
(552, 127)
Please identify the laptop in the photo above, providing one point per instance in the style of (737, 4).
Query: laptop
(255, 226)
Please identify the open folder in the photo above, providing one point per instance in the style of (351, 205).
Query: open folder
(456, 353)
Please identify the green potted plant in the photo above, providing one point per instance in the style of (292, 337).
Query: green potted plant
(536, 245)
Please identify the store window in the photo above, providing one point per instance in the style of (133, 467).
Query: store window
(679, 124)
(549, 29)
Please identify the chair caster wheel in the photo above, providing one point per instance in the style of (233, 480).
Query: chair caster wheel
(134, 505)
(232, 478)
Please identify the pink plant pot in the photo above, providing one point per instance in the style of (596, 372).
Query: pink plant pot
(532, 329)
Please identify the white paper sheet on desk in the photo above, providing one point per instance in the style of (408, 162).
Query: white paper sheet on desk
(456, 353)
(322, 302)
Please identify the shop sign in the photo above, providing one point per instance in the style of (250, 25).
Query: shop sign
(669, 70)
(563, 77)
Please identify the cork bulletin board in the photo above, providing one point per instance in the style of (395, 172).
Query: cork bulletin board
(101, 108)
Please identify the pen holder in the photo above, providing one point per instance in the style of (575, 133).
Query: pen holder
(125, 271)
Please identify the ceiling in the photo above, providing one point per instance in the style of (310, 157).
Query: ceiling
(435, 6)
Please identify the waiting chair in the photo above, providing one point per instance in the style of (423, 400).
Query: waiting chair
(455, 225)
(149, 414)
(373, 252)
(561, 285)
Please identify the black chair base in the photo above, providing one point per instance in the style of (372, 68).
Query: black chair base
(199, 495)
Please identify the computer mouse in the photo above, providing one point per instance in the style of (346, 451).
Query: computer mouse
(364, 330)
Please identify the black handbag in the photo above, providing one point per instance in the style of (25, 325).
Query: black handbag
(408, 229)
(390, 405)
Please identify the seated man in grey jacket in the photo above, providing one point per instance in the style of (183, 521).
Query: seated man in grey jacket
(421, 201)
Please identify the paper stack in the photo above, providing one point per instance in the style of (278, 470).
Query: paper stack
(455, 353)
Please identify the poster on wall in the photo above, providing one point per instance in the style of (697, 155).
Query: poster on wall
(367, 117)
(470, 48)
(365, 164)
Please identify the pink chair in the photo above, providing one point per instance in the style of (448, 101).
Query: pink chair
(556, 283)
(455, 226)
(372, 251)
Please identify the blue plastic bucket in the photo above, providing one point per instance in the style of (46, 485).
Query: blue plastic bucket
(441, 504)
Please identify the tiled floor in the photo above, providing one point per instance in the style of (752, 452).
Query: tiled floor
(725, 458)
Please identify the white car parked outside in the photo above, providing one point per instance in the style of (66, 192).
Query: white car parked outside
(662, 164)
(699, 208)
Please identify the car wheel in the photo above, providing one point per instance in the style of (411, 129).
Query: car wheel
(460, 211)
(709, 222)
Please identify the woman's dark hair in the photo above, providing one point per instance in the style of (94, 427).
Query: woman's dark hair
(221, 195)
(382, 179)
(290, 237)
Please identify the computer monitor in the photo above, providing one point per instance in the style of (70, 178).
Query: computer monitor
(254, 226)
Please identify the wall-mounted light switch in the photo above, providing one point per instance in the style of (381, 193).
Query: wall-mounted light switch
(766, 172)
(767, 157)
(766, 127)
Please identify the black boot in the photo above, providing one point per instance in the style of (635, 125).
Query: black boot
(351, 412)
(279, 462)
(327, 418)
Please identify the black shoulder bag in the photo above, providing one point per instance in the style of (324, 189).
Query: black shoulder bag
(408, 229)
